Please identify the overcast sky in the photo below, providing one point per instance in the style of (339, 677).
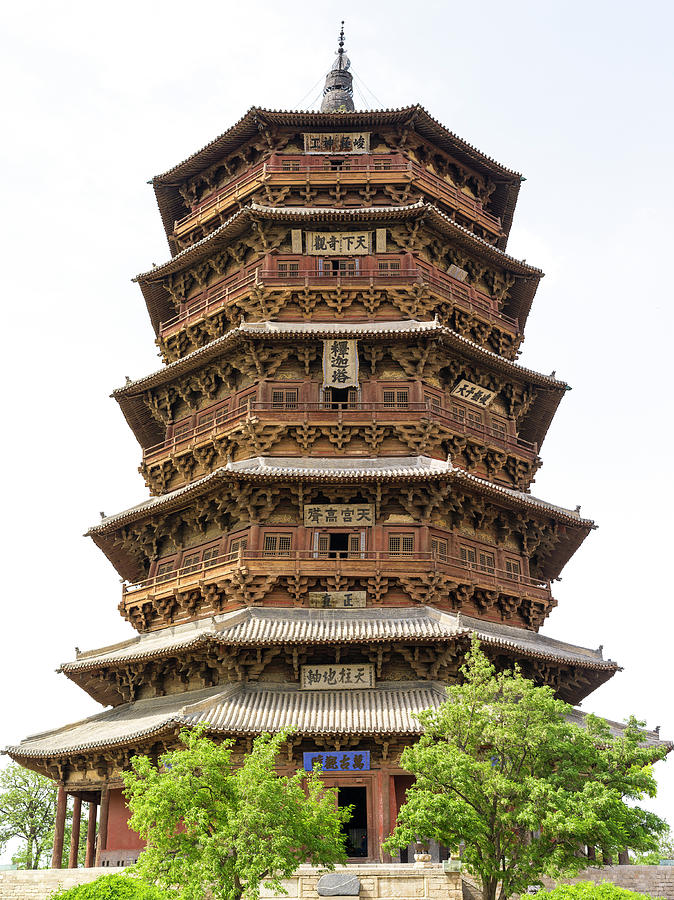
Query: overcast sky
(100, 97)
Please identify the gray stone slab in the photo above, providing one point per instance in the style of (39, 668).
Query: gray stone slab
(338, 884)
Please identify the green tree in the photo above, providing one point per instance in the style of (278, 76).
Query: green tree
(111, 887)
(212, 826)
(665, 850)
(502, 770)
(27, 813)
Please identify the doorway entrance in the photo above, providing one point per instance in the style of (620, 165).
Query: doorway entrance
(356, 828)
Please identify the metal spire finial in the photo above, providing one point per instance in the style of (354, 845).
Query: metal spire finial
(338, 90)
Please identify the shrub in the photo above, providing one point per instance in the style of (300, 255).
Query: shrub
(588, 890)
(112, 887)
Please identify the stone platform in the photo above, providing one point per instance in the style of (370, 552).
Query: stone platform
(378, 882)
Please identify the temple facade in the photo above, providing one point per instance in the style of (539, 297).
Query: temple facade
(339, 450)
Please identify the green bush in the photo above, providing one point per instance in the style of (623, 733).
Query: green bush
(112, 887)
(588, 890)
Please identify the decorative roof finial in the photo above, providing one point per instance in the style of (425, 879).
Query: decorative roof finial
(338, 90)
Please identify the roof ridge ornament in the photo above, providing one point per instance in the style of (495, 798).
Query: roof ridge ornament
(338, 90)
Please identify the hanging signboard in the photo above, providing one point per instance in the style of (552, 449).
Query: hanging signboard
(337, 142)
(340, 364)
(347, 677)
(337, 599)
(337, 761)
(473, 393)
(339, 514)
(339, 243)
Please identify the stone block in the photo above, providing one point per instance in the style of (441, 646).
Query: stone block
(338, 884)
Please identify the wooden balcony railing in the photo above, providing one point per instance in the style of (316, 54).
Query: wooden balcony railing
(328, 413)
(443, 284)
(382, 169)
(356, 564)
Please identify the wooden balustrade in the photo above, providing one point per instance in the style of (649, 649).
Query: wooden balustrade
(441, 283)
(357, 564)
(301, 170)
(329, 413)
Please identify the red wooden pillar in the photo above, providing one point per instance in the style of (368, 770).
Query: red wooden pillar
(75, 833)
(102, 842)
(383, 811)
(59, 827)
(91, 836)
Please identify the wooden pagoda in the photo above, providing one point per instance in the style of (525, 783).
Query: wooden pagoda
(339, 451)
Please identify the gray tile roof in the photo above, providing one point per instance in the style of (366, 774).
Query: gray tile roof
(417, 468)
(256, 627)
(245, 709)
(390, 708)
(318, 330)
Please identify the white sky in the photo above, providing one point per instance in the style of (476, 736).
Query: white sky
(100, 97)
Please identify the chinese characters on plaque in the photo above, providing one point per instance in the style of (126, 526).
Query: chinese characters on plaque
(347, 677)
(338, 761)
(339, 514)
(340, 142)
(473, 393)
(337, 599)
(340, 364)
(339, 243)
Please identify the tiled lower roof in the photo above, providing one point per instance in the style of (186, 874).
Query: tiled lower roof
(389, 708)
(273, 626)
(250, 709)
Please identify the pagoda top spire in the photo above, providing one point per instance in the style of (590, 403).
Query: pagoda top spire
(338, 90)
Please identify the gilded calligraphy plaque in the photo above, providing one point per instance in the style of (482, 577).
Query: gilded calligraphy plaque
(473, 393)
(337, 599)
(337, 142)
(347, 677)
(339, 243)
(340, 363)
(339, 515)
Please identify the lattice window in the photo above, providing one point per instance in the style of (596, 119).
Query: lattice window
(191, 561)
(486, 562)
(284, 399)
(182, 431)
(354, 545)
(400, 544)
(474, 418)
(513, 569)
(399, 398)
(238, 545)
(382, 165)
(288, 269)
(389, 266)
(290, 165)
(438, 548)
(468, 556)
(277, 544)
(164, 571)
(458, 412)
(433, 401)
(498, 428)
(211, 556)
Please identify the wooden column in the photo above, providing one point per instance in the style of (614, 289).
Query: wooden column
(75, 833)
(91, 836)
(102, 842)
(59, 827)
(384, 811)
